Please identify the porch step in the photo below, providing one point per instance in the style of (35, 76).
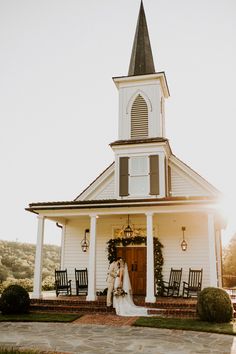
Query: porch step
(70, 309)
(163, 308)
(72, 306)
(173, 313)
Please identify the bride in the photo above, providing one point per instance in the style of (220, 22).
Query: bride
(122, 295)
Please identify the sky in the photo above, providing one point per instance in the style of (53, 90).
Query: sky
(59, 105)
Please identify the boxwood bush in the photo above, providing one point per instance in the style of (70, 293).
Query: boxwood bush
(14, 300)
(214, 305)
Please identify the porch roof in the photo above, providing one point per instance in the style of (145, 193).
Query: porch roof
(109, 203)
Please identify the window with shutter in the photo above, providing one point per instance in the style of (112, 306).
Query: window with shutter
(124, 176)
(138, 172)
(154, 175)
(139, 118)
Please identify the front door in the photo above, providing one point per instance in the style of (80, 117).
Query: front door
(135, 258)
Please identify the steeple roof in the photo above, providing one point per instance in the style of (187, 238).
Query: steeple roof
(141, 61)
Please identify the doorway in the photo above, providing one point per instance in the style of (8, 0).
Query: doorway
(135, 258)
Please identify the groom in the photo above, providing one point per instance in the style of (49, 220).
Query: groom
(111, 275)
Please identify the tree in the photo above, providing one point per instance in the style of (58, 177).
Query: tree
(229, 264)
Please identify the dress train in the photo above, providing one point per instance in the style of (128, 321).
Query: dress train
(124, 305)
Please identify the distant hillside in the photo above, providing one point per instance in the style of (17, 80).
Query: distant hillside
(17, 260)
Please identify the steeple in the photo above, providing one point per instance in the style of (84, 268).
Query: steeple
(141, 61)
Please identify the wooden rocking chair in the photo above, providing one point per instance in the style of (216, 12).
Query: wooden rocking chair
(171, 288)
(194, 284)
(81, 281)
(62, 284)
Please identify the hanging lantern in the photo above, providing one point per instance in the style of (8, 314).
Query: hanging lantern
(85, 241)
(128, 232)
(184, 244)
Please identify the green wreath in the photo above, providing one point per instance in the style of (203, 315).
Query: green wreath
(138, 240)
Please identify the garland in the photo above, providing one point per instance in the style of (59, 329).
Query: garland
(138, 240)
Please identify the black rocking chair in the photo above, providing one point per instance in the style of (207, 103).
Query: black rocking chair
(81, 281)
(194, 284)
(171, 288)
(62, 284)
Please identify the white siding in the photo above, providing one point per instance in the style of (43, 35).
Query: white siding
(105, 190)
(151, 91)
(197, 254)
(108, 192)
(168, 229)
(182, 185)
(75, 258)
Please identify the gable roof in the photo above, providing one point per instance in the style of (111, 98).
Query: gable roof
(187, 187)
(185, 183)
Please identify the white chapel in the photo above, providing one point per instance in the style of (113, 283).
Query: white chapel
(147, 190)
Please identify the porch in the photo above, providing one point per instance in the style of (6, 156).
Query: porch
(106, 225)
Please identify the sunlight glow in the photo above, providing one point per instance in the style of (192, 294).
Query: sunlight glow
(228, 212)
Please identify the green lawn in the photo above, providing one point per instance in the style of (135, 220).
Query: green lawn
(16, 351)
(39, 317)
(187, 324)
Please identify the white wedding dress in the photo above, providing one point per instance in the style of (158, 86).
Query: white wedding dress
(124, 305)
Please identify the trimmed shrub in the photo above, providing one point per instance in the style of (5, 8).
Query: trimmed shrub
(214, 305)
(14, 300)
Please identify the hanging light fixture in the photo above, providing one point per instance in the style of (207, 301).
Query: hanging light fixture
(128, 232)
(85, 241)
(184, 243)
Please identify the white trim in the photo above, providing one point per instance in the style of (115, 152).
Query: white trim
(184, 208)
(133, 97)
(144, 79)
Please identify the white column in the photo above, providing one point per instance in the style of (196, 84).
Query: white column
(37, 292)
(219, 258)
(150, 296)
(63, 231)
(212, 250)
(92, 260)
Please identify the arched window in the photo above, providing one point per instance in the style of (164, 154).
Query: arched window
(139, 118)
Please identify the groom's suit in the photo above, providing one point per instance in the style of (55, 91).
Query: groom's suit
(111, 275)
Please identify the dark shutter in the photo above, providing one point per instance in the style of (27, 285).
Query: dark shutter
(166, 178)
(154, 175)
(124, 176)
(169, 180)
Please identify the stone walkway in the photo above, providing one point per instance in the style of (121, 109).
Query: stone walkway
(106, 339)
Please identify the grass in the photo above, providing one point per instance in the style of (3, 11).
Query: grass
(39, 317)
(16, 351)
(187, 324)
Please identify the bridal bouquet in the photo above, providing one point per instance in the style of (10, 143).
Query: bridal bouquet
(119, 292)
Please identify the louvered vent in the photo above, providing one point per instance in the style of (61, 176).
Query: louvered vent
(139, 119)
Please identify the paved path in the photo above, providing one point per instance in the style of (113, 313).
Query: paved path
(104, 339)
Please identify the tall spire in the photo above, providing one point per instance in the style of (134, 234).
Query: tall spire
(141, 61)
